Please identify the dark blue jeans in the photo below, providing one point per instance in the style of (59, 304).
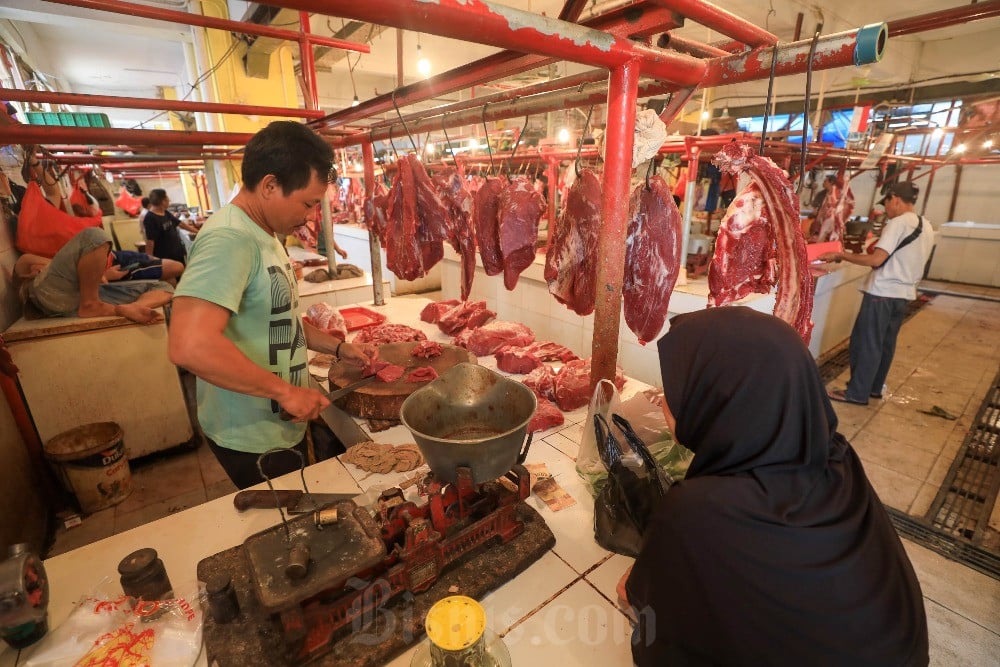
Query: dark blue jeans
(873, 344)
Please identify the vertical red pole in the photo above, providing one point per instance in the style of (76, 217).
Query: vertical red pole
(552, 172)
(204, 190)
(308, 62)
(197, 193)
(622, 91)
(368, 157)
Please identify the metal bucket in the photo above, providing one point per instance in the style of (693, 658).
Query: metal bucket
(92, 464)
(472, 417)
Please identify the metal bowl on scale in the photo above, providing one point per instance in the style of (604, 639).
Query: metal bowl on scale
(470, 417)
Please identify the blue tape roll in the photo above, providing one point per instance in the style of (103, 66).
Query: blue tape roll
(870, 43)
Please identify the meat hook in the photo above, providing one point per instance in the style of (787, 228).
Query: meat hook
(395, 153)
(405, 129)
(517, 143)
(805, 111)
(447, 141)
(770, 98)
(649, 171)
(487, 132)
(579, 143)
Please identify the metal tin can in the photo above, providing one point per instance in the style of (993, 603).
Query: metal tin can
(144, 576)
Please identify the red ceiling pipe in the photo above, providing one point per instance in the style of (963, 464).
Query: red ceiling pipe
(115, 166)
(720, 20)
(374, 245)
(308, 62)
(622, 93)
(187, 18)
(621, 22)
(41, 134)
(944, 18)
(112, 161)
(48, 97)
(572, 9)
(689, 46)
(835, 50)
(488, 23)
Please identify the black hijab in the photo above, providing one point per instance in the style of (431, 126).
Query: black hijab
(774, 549)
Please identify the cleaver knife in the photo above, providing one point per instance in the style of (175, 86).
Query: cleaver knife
(341, 423)
(295, 501)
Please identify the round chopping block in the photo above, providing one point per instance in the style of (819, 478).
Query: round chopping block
(382, 400)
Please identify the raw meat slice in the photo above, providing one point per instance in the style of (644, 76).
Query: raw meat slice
(652, 258)
(520, 209)
(390, 373)
(572, 384)
(328, 319)
(421, 374)
(375, 210)
(468, 314)
(462, 339)
(541, 381)
(433, 228)
(458, 200)
(783, 260)
(389, 333)
(486, 203)
(426, 349)
(516, 360)
(432, 312)
(415, 226)
(549, 351)
(374, 364)
(491, 337)
(547, 415)
(571, 260)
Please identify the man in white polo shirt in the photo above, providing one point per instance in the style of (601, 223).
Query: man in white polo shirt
(897, 261)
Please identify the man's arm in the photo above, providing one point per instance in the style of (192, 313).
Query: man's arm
(874, 260)
(198, 344)
(320, 341)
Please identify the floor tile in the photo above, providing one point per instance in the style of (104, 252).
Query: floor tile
(955, 640)
(162, 479)
(922, 503)
(893, 488)
(95, 527)
(606, 576)
(908, 426)
(218, 489)
(157, 510)
(545, 579)
(894, 455)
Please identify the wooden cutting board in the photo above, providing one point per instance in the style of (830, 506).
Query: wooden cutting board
(382, 400)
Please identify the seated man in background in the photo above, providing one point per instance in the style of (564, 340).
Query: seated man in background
(131, 265)
(74, 283)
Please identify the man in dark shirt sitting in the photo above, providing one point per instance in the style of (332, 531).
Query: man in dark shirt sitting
(162, 236)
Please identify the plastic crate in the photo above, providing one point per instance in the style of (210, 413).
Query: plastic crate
(68, 118)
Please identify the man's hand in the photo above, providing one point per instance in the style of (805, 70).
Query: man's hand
(302, 403)
(831, 257)
(342, 253)
(623, 602)
(356, 355)
(114, 272)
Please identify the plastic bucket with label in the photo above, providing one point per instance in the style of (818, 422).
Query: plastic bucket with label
(91, 462)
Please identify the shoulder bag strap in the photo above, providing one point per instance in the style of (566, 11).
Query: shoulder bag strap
(910, 238)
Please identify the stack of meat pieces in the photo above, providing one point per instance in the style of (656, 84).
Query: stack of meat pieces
(506, 216)
(416, 222)
(652, 254)
(760, 242)
(570, 387)
(386, 372)
(328, 319)
(491, 337)
(464, 315)
(831, 218)
(458, 201)
(547, 415)
(512, 359)
(382, 334)
(427, 349)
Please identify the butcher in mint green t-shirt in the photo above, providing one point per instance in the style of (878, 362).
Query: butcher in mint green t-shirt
(234, 321)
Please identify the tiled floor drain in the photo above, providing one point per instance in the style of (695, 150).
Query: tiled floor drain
(957, 523)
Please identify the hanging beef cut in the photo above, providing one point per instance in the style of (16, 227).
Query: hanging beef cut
(520, 209)
(458, 200)
(831, 218)
(375, 210)
(652, 258)
(485, 205)
(571, 260)
(760, 242)
(415, 222)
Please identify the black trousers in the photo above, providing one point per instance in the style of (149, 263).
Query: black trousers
(873, 345)
(242, 466)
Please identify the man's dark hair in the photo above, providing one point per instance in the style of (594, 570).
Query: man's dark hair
(831, 178)
(290, 151)
(145, 202)
(157, 196)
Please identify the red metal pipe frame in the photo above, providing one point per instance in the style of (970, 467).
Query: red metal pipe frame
(308, 62)
(721, 21)
(508, 28)
(690, 47)
(945, 17)
(187, 18)
(622, 94)
(499, 65)
(49, 97)
(40, 134)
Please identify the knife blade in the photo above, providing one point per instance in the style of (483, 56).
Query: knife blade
(351, 388)
(293, 500)
(338, 421)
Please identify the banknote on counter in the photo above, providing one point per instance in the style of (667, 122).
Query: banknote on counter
(547, 488)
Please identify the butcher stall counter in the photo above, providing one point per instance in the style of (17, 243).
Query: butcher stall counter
(559, 610)
(530, 303)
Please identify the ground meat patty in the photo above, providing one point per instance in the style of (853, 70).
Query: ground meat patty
(389, 333)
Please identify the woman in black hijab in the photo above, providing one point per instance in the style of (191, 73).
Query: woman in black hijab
(774, 549)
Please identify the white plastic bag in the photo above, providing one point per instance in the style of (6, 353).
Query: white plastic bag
(647, 420)
(588, 461)
(105, 629)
